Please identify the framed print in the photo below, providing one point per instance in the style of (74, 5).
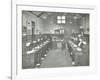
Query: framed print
(50, 40)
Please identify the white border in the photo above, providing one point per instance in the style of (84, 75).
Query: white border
(18, 73)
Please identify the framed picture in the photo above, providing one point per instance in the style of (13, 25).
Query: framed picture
(53, 41)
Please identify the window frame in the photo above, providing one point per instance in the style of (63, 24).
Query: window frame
(61, 19)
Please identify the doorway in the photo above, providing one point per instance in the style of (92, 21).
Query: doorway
(33, 29)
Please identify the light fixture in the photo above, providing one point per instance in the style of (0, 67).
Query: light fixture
(70, 22)
(75, 17)
(44, 17)
(81, 27)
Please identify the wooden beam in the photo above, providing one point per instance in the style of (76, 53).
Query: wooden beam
(41, 14)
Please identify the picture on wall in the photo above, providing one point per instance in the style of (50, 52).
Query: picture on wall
(55, 39)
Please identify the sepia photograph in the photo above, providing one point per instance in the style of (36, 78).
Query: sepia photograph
(55, 39)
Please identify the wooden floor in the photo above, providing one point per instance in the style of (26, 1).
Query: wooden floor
(57, 58)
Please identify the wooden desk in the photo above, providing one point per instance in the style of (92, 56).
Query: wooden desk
(81, 57)
(33, 58)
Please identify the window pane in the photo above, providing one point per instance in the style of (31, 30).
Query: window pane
(63, 21)
(61, 31)
(63, 17)
(58, 21)
(58, 17)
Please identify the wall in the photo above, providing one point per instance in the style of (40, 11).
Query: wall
(27, 19)
(51, 23)
(45, 25)
(85, 22)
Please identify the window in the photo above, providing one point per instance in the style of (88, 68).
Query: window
(61, 19)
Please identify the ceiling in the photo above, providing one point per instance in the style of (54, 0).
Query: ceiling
(44, 15)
